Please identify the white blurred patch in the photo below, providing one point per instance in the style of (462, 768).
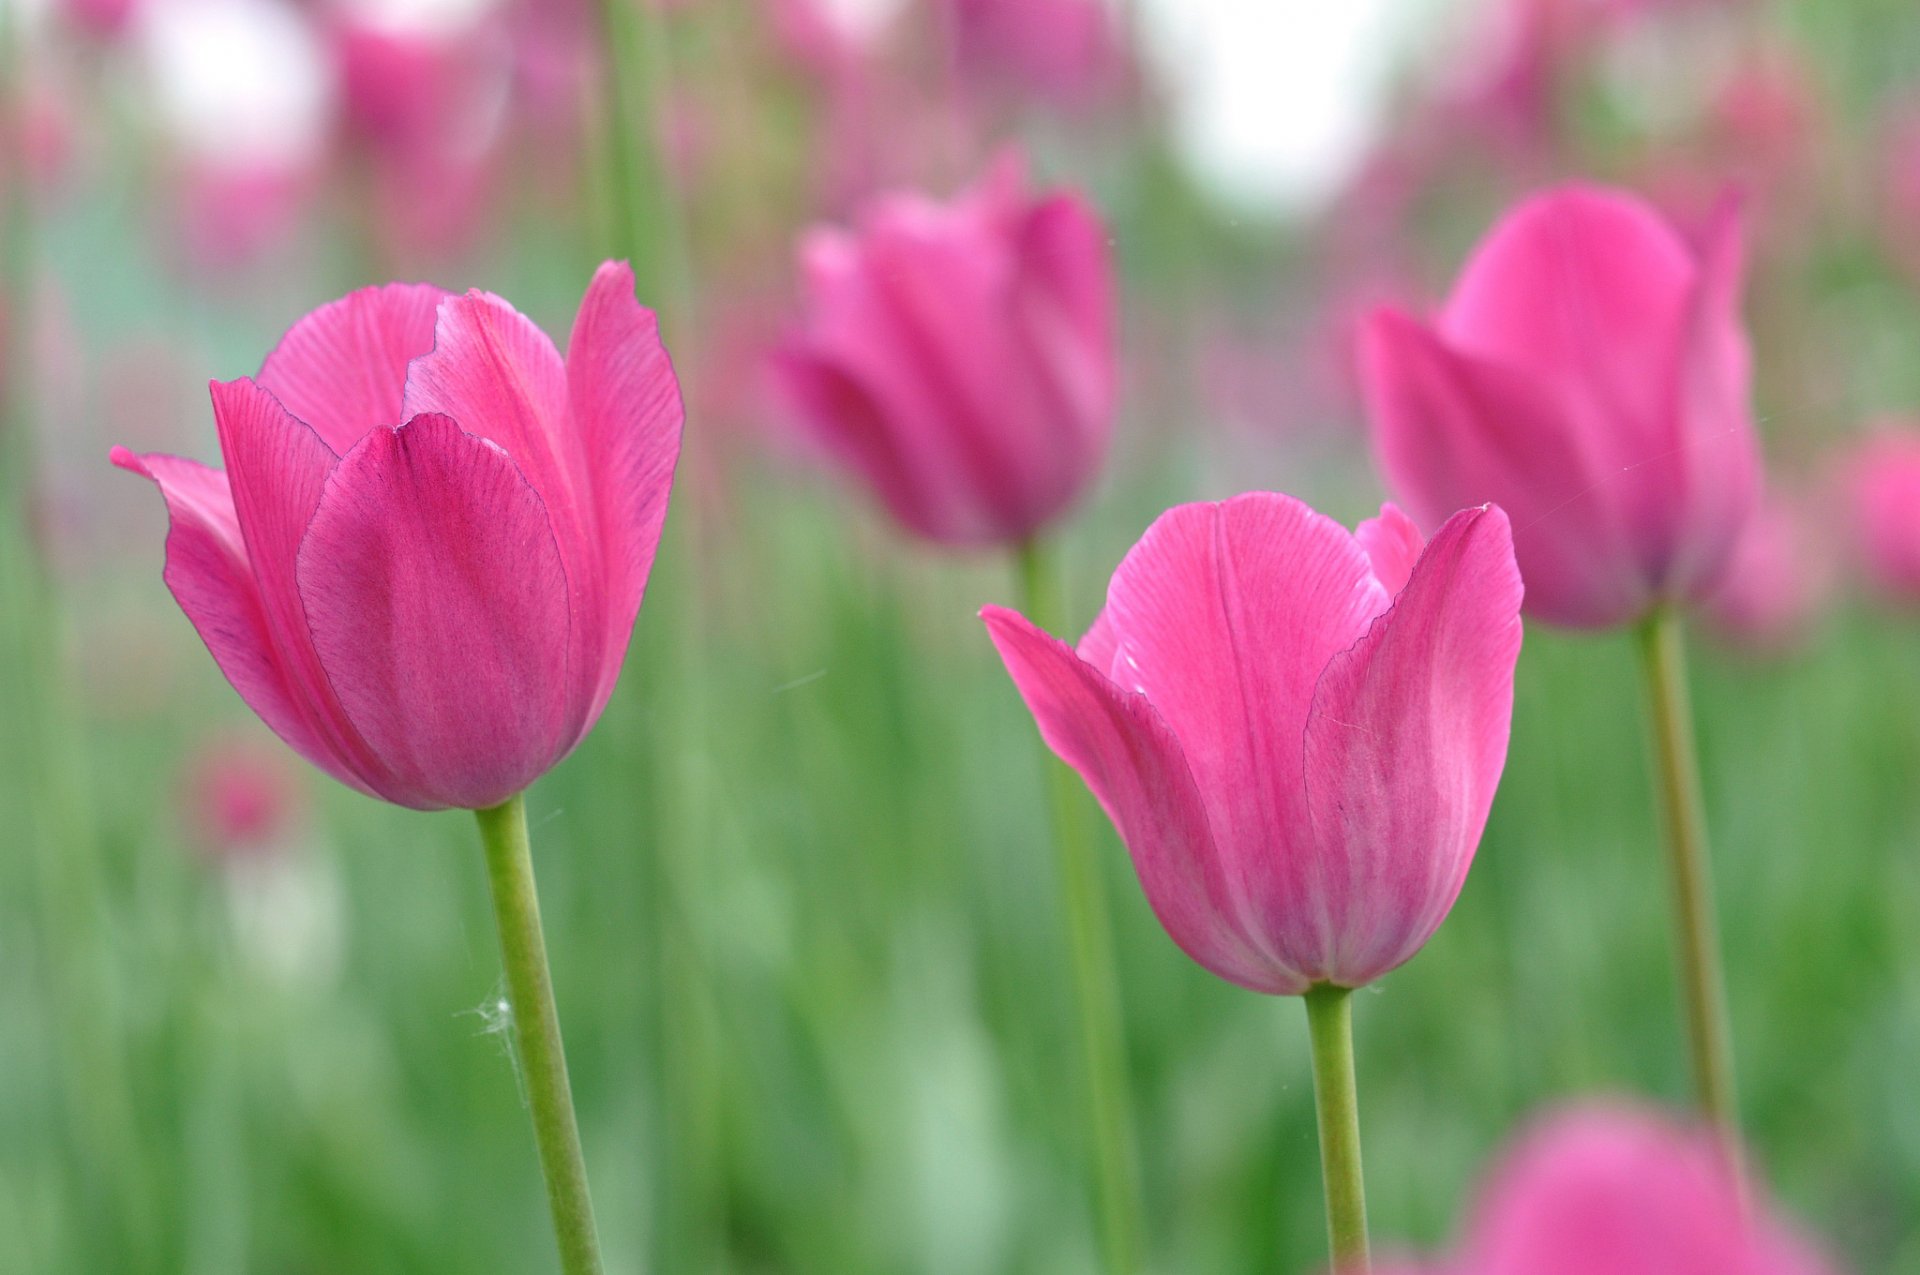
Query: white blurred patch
(241, 83)
(1275, 101)
(418, 17)
(288, 912)
(859, 20)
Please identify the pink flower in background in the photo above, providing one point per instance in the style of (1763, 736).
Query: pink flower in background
(1506, 95)
(425, 558)
(1297, 730)
(1619, 1190)
(1882, 484)
(240, 799)
(1069, 52)
(100, 19)
(959, 357)
(426, 102)
(1589, 373)
(1776, 580)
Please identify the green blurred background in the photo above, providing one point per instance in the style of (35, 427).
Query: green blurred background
(799, 892)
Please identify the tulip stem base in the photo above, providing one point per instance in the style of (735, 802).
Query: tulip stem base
(1337, 1106)
(1702, 984)
(536, 1034)
(1097, 999)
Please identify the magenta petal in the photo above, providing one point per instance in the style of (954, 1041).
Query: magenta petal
(1607, 1188)
(1405, 744)
(1064, 295)
(1715, 457)
(343, 368)
(438, 605)
(1454, 431)
(208, 574)
(627, 414)
(1225, 614)
(1136, 769)
(496, 374)
(1584, 287)
(1393, 543)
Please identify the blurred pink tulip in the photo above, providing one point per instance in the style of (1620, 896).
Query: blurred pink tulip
(960, 357)
(240, 799)
(1068, 52)
(1297, 730)
(1882, 480)
(100, 19)
(1775, 581)
(1589, 373)
(425, 558)
(1616, 1190)
(427, 104)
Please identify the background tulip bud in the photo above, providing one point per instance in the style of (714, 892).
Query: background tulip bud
(1297, 730)
(1590, 374)
(960, 357)
(425, 557)
(1618, 1190)
(1882, 483)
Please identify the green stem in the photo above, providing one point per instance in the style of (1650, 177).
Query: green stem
(1337, 1104)
(1089, 934)
(1702, 984)
(536, 1033)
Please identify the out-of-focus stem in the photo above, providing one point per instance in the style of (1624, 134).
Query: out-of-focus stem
(536, 1034)
(1703, 993)
(1337, 1105)
(1090, 939)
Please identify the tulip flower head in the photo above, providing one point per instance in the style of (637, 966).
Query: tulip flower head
(424, 559)
(1297, 730)
(960, 357)
(1776, 581)
(1883, 485)
(1589, 374)
(1617, 1190)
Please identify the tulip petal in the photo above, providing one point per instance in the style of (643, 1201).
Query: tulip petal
(1584, 287)
(1136, 768)
(628, 415)
(1717, 461)
(1225, 614)
(343, 368)
(1393, 543)
(208, 574)
(1063, 291)
(438, 604)
(495, 373)
(1452, 430)
(1404, 747)
(848, 423)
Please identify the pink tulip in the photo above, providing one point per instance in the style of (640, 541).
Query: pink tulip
(1775, 581)
(960, 357)
(1065, 51)
(240, 799)
(1607, 1190)
(1590, 374)
(1882, 480)
(1296, 730)
(424, 560)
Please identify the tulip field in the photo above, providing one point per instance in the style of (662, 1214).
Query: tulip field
(959, 636)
